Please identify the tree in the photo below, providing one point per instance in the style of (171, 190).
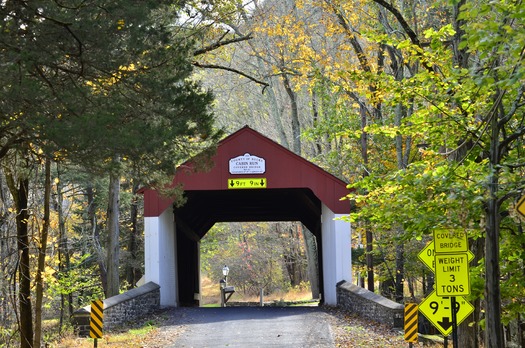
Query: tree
(431, 96)
(484, 107)
(83, 82)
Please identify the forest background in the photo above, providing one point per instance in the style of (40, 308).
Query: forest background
(417, 104)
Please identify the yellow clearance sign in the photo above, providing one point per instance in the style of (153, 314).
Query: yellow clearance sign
(452, 274)
(438, 311)
(246, 183)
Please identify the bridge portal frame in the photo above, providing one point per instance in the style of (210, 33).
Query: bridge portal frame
(296, 190)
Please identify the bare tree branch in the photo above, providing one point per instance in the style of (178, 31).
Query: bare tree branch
(406, 27)
(214, 66)
(220, 43)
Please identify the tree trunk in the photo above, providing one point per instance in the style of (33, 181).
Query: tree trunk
(469, 335)
(402, 163)
(400, 273)
(493, 329)
(64, 264)
(313, 262)
(96, 238)
(276, 115)
(113, 236)
(132, 272)
(368, 234)
(39, 293)
(294, 114)
(5, 311)
(19, 189)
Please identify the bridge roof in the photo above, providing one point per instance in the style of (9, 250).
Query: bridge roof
(281, 168)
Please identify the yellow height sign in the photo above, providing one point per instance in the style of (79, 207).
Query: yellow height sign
(247, 183)
(97, 319)
(410, 321)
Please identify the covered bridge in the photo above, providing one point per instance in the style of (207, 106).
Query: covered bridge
(252, 179)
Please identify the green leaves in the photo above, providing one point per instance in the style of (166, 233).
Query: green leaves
(426, 195)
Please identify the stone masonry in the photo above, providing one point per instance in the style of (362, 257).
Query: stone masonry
(118, 310)
(369, 304)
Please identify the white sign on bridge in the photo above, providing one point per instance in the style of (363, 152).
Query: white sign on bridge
(247, 164)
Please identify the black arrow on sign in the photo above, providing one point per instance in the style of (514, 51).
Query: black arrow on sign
(445, 323)
(262, 182)
(232, 184)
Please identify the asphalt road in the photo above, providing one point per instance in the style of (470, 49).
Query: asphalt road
(253, 327)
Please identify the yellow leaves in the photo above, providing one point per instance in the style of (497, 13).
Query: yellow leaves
(120, 24)
(99, 85)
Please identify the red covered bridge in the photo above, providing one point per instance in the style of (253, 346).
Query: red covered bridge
(252, 179)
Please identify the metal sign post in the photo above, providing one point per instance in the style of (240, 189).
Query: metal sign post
(454, 322)
(448, 257)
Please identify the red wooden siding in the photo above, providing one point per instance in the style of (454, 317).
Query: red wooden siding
(284, 169)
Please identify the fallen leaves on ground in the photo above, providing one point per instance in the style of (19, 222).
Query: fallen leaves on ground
(348, 330)
(351, 330)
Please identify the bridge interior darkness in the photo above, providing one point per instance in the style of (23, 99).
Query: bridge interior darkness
(204, 208)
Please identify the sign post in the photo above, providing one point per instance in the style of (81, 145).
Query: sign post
(454, 322)
(452, 273)
(448, 256)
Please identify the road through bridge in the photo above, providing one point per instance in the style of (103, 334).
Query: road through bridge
(241, 327)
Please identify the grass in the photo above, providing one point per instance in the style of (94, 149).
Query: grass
(134, 338)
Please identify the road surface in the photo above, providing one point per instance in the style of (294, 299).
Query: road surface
(242, 327)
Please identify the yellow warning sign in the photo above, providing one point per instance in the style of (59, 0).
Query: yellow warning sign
(520, 206)
(452, 274)
(450, 241)
(410, 321)
(438, 311)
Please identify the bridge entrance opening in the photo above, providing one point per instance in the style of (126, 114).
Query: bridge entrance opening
(252, 178)
(267, 261)
(204, 208)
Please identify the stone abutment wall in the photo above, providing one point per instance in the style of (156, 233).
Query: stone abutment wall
(369, 305)
(118, 310)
